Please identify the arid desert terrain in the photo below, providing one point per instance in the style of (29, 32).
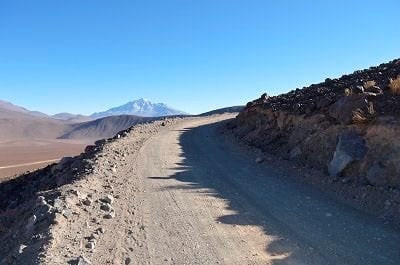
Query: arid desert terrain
(19, 156)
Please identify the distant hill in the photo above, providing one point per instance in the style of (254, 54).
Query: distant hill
(140, 107)
(103, 128)
(7, 106)
(19, 123)
(73, 118)
(232, 109)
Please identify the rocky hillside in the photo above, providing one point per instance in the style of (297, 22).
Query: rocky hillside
(347, 127)
(104, 127)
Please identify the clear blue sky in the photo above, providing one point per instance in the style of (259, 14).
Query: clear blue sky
(83, 56)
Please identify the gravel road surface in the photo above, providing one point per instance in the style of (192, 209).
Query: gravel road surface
(185, 194)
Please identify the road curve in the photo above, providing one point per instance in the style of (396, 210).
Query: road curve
(204, 201)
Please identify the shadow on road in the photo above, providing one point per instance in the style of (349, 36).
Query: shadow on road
(307, 226)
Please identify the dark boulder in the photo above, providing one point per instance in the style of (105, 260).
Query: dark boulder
(350, 147)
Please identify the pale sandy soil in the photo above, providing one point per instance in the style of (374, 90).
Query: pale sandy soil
(19, 156)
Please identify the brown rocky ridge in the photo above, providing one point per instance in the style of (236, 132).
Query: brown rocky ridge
(346, 127)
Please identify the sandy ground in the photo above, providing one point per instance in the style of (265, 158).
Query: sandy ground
(19, 156)
(184, 194)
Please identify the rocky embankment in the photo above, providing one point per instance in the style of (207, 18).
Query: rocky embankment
(346, 127)
(56, 215)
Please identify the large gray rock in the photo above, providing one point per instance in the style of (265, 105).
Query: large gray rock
(350, 147)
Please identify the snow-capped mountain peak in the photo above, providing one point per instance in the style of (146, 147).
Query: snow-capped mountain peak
(140, 107)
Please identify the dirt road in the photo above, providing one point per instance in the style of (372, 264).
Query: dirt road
(188, 196)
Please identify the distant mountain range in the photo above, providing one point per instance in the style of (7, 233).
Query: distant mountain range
(75, 118)
(19, 123)
(141, 107)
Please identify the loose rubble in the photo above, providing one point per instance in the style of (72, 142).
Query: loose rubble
(38, 208)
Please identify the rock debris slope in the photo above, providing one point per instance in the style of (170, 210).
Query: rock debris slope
(347, 127)
(37, 208)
